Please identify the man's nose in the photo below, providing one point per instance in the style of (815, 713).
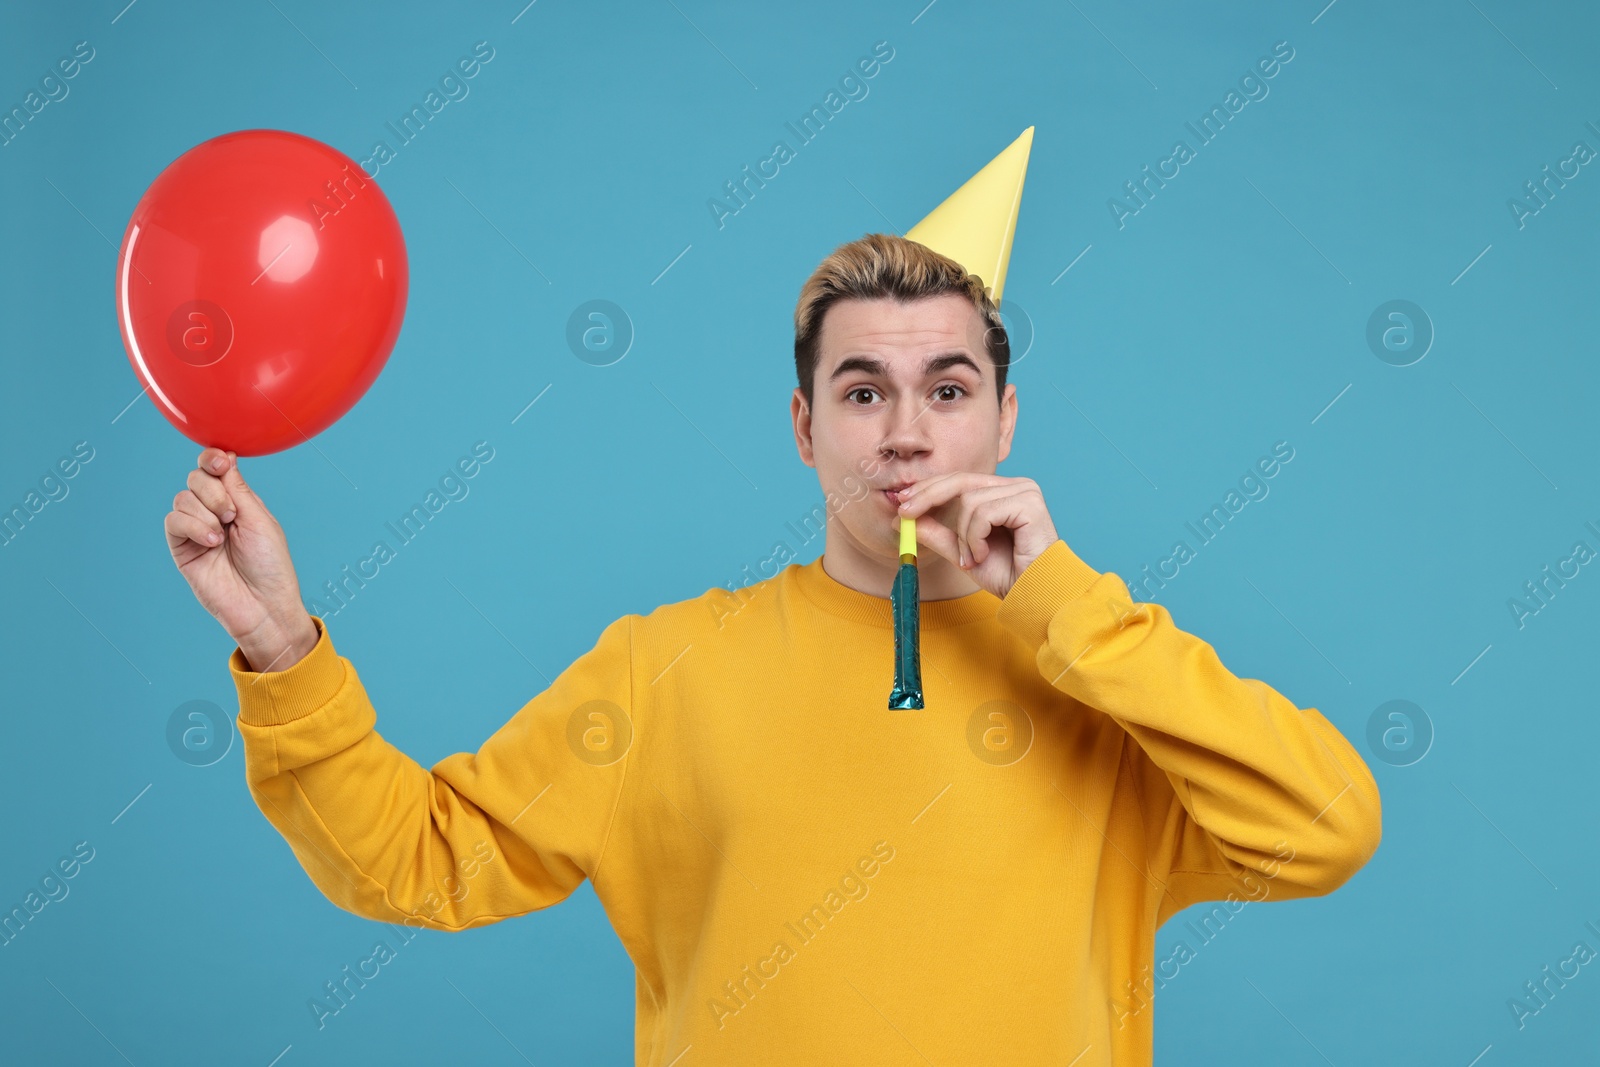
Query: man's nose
(906, 428)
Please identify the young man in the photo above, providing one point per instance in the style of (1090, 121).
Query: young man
(799, 874)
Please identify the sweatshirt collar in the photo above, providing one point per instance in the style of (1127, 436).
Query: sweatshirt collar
(837, 599)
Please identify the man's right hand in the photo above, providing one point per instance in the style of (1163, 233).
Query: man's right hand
(236, 559)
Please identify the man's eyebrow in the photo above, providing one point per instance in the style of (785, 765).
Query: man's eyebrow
(932, 365)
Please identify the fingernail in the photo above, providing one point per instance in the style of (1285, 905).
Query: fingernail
(211, 538)
(219, 464)
(227, 516)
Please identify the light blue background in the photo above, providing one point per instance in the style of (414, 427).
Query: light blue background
(1227, 315)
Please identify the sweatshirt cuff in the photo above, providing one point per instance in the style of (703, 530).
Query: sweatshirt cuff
(272, 698)
(1056, 576)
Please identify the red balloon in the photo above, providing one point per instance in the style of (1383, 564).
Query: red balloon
(260, 288)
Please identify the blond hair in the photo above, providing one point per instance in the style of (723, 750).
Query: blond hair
(883, 265)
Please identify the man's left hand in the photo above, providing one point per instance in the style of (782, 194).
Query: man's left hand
(991, 527)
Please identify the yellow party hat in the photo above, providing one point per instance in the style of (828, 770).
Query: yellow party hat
(975, 224)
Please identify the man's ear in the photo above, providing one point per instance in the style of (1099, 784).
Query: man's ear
(800, 412)
(1008, 421)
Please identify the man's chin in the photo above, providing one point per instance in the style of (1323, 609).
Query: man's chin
(880, 542)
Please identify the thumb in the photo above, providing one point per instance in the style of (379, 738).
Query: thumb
(935, 535)
(239, 491)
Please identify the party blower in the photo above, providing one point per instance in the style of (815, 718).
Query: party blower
(973, 226)
(903, 598)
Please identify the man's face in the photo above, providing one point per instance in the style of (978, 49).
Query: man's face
(903, 392)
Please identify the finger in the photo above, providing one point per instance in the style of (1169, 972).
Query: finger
(182, 527)
(985, 517)
(209, 489)
(930, 492)
(212, 460)
(988, 508)
(188, 504)
(956, 516)
(965, 508)
(943, 488)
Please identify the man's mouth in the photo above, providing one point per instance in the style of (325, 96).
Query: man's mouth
(892, 493)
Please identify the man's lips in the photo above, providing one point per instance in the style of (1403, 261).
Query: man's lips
(892, 493)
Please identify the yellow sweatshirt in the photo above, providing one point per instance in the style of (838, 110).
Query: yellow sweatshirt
(802, 876)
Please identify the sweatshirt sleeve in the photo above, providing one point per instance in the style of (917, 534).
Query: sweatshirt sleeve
(480, 837)
(1236, 785)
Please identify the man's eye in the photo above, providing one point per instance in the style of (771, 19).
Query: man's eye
(957, 388)
(859, 389)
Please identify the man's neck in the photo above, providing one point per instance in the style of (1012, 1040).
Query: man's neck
(849, 565)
